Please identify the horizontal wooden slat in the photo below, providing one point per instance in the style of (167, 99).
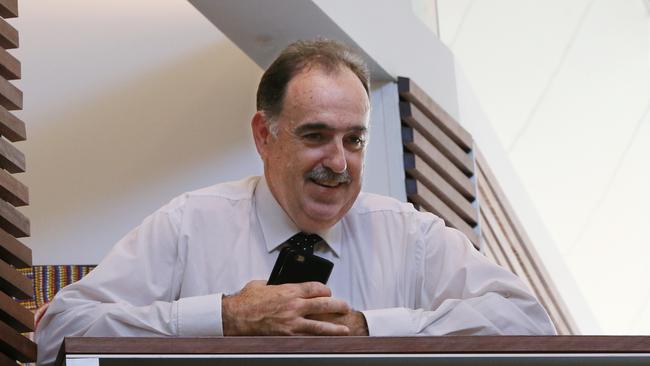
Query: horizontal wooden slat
(14, 315)
(8, 8)
(11, 158)
(11, 127)
(13, 251)
(9, 65)
(13, 283)
(418, 169)
(12, 221)
(10, 96)
(8, 35)
(418, 193)
(16, 345)
(411, 92)
(417, 144)
(12, 190)
(413, 117)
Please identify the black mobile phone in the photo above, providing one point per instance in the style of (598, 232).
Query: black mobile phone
(293, 266)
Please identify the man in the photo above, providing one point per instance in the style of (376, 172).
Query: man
(197, 267)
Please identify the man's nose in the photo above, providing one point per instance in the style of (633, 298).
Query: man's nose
(336, 157)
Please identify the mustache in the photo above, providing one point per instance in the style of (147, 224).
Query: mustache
(324, 174)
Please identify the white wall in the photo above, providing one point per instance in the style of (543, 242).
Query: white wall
(127, 104)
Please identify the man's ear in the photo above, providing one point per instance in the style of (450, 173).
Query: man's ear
(261, 133)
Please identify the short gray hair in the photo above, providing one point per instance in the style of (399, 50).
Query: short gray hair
(327, 54)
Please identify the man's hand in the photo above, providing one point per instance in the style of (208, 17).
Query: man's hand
(288, 309)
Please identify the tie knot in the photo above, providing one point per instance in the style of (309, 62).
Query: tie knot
(304, 242)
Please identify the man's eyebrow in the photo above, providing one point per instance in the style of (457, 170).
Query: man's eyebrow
(319, 126)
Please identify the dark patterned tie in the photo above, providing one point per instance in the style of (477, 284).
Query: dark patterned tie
(304, 242)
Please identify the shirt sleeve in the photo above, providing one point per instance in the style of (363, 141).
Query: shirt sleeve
(461, 292)
(133, 292)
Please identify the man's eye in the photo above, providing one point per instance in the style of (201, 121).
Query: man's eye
(313, 137)
(357, 141)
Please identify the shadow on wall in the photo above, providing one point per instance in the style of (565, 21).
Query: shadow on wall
(122, 152)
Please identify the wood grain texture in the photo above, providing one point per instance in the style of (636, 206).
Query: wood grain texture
(13, 251)
(411, 92)
(10, 96)
(14, 315)
(417, 144)
(11, 159)
(8, 8)
(419, 170)
(342, 345)
(9, 65)
(16, 345)
(416, 192)
(8, 35)
(12, 190)
(413, 117)
(13, 283)
(12, 221)
(11, 127)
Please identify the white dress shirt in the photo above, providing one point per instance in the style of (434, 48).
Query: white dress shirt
(407, 272)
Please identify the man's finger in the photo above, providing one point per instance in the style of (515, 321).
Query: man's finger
(315, 327)
(307, 290)
(324, 305)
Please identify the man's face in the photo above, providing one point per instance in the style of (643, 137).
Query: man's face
(315, 162)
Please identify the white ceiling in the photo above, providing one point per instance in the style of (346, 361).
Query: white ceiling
(566, 85)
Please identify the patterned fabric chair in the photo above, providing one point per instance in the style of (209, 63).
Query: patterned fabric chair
(49, 279)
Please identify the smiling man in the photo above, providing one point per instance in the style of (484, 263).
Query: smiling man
(198, 266)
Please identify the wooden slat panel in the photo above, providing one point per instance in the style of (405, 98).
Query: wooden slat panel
(8, 8)
(11, 158)
(488, 252)
(524, 246)
(514, 263)
(13, 251)
(418, 169)
(9, 65)
(411, 92)
(12, 190)
(8, 35)
(11, 127)
(490, 242)
(417, 144)
(13, 283)
(14, 315)
(419, 194)
(413, 117)
(10, 96)
(12, 221)
(520, 263)
(15, 345)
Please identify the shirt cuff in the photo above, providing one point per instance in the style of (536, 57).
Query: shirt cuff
(200, 316)
(389, 322)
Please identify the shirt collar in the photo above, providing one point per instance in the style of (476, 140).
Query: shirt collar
(277, 226)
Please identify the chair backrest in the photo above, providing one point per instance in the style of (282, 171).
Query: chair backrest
(49, 279)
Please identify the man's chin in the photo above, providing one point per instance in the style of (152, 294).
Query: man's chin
(321, 216)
